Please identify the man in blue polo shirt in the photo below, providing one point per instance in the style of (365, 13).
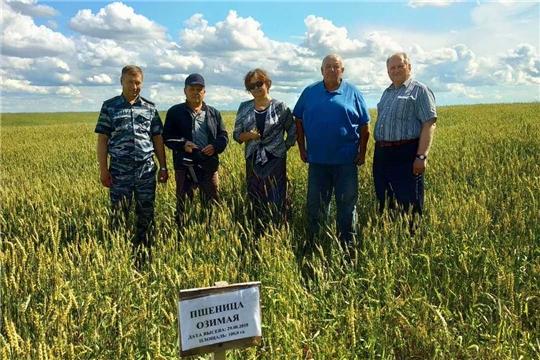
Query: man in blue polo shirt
(332, 116)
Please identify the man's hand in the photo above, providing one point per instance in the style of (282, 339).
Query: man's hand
(360, 159)
(163, 176)
(208, 150)
(419, 166)
(303, 154)
(189, 146)
(254, 134)
(106, 178)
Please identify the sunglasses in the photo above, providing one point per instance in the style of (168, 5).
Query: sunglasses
(256, 85)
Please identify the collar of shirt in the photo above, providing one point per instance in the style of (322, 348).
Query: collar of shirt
(405, 83)
(339, 90)
(136, 102)
(188, 109)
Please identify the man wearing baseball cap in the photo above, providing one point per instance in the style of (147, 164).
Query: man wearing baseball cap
(194, 131)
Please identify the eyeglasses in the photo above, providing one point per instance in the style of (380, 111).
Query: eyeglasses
(256, 85)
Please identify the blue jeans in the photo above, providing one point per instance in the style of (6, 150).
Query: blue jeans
(325, 179)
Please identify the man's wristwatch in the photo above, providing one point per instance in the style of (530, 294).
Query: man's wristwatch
(421, 156)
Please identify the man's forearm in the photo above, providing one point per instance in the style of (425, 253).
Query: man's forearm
(364, 137)
(102, 152)
(300, 134)
(159, 149)
(426, 137)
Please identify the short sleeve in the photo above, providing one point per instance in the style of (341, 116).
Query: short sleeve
(157, 124)
(362, 109)
(104, 124)
(425, 105)
(298, 111)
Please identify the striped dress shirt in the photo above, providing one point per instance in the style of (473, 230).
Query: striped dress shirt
(403, 110)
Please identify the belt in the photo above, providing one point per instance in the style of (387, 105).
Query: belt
(394, 143)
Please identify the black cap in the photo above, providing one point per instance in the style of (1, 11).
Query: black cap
(194, 79)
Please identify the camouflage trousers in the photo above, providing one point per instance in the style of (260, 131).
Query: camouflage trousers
(134, 179)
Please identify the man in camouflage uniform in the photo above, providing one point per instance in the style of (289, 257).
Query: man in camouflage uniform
(129, 130)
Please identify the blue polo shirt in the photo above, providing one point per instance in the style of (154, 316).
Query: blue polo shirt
(331, 122)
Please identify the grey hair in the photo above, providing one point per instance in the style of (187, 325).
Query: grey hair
(332, 56)
(402, 55)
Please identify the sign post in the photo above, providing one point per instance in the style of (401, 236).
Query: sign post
(217, 319)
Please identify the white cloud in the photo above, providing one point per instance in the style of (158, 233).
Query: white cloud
(233, 34)
(63, 78)
(99, 79)
(15, 64)
(22, 38)
(323, 37)
(464, 91)
(502, 25)
(31, 8)
(68, 91)
(59, 64)
(116, 21)
(52, 25)
(104, 52)
(47, 71)
(525, 63)
(173, 77)
(171, 60)
(437, 3)
(22, 86)
(465, 64)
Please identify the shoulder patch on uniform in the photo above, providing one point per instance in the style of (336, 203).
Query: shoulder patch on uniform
(114, 100)
(147, 101)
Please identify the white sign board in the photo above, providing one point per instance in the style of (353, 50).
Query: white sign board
(233, 314)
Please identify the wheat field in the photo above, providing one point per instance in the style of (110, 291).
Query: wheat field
(466, 286)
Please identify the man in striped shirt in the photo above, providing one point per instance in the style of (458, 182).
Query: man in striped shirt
(403, 136)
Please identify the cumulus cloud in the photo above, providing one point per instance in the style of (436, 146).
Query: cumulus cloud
(21, 86)
(37, 60)
(323, 37)
(14, 64)
(461, 68)
(99, 79)
(233, 34)
(68, 91)
(104, 52)
(116, 21)
(22, 38)
(31, 8)
(47, 71)
(171, 60)
(520, 66)
(525, 62)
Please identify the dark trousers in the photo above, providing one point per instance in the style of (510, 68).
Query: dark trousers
(208, 191)
(267, 191)
(394, 179)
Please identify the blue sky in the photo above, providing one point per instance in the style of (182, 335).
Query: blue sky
(67, 55)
